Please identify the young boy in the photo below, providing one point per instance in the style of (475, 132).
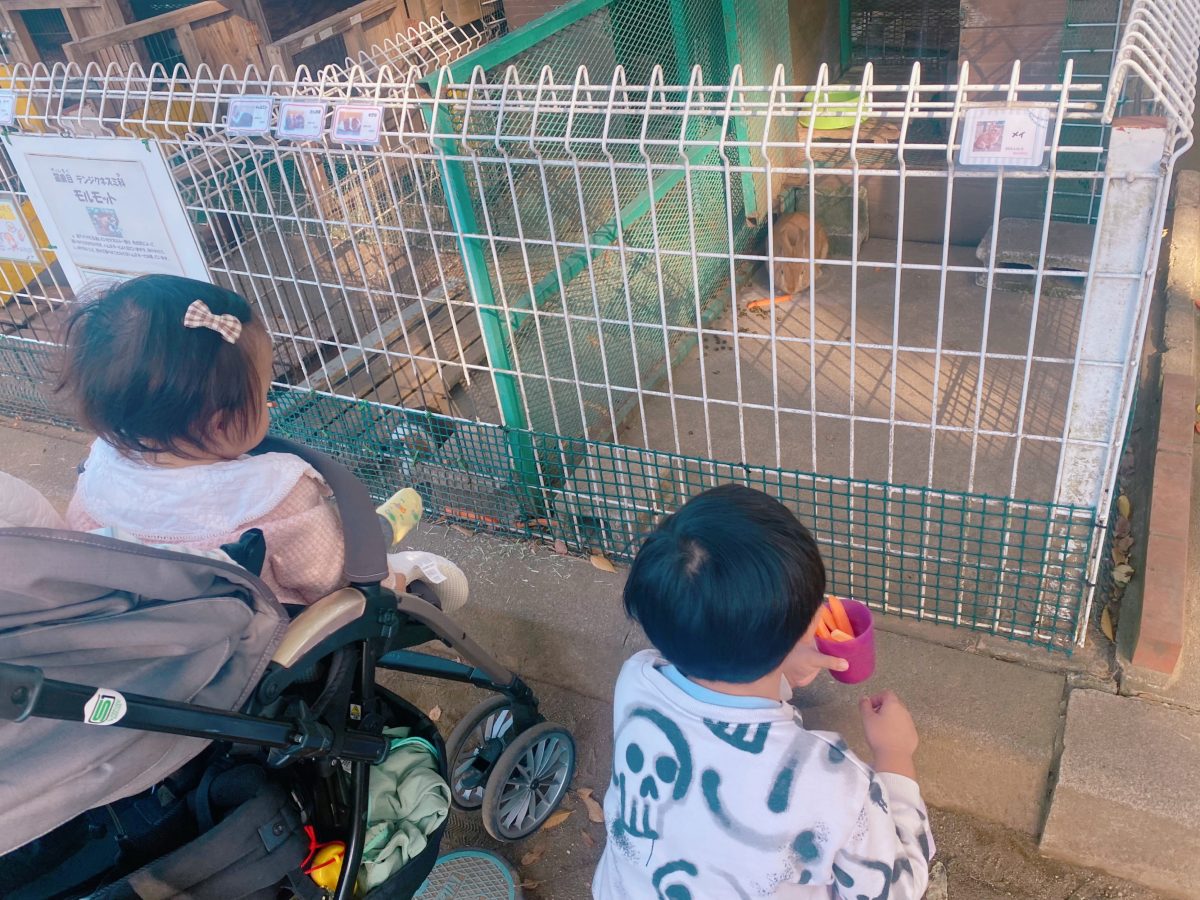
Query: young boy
(718, 791)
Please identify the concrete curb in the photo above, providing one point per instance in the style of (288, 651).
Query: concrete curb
(1123, 802)
(1158, 643)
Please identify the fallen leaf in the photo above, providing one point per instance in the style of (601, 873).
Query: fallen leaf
(1121, 527)
(1119, 556)
(560, 547)
(1122, 574)
(1106, 624)
(557, 819)
(588, 839)
(531, 885)
(1124, 544)
(594, 810)
(533, 856)
(465, 532)
(1124, 507)
(435, 714)
(602, 563)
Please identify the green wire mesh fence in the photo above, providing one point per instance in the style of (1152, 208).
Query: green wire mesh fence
(995, 564)
(991, 563)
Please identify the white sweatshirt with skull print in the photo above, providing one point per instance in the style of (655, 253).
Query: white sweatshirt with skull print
(719, 802)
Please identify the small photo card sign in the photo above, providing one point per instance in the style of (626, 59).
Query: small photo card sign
(249, 115)
(356, 123)
(16, 242)
(1004, 135)
(8, 107)
(300, 120)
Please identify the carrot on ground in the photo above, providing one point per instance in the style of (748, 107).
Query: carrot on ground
(840, 617)
(766, 302)
(471, 516)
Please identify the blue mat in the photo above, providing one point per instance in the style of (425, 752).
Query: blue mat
(470, 875)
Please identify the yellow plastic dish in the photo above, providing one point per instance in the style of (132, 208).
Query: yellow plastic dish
(839, 110)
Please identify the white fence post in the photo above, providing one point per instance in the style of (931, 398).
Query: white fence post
(1119, 284)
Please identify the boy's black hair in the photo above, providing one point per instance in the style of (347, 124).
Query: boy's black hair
(145, 383)
(726, 586)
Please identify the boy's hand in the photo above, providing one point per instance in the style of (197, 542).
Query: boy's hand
(891, 734)
(806, 662)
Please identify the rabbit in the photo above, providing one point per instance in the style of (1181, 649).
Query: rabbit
(790, 242)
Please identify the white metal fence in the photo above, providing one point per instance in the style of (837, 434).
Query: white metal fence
(575, 272)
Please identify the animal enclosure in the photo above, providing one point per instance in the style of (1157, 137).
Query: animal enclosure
(547, 295)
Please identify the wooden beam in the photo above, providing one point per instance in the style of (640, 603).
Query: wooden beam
(252, 10)
(356, 40)
(21, 38)
(74, 20)
(188, 46)
(338, 23)
(21, 5)
(206, 9)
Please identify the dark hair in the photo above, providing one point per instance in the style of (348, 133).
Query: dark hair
(145, 383)
(726, 586)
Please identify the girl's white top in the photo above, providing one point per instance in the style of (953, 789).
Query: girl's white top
(205, 506)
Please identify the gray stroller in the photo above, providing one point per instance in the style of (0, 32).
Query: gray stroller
(167, 731)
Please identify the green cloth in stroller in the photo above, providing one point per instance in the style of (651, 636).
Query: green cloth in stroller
(409, 800)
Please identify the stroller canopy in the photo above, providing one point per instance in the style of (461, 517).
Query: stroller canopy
(129, 618)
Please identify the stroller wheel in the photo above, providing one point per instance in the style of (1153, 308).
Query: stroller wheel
(528, 782)
(473, 748)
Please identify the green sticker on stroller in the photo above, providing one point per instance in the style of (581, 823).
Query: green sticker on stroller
(106, 707)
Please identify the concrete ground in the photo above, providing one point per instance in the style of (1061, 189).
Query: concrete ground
(991, 728)
(740, 359)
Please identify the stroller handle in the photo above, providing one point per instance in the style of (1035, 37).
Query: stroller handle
(365, 543)
(26, 693)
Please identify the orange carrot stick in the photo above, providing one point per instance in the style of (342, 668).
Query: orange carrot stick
(471, 516)
(839, 615)
(827, 618)
(822, 629)
(840, 636)
(767, 301)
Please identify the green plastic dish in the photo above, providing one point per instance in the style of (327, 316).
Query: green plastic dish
(834, 102)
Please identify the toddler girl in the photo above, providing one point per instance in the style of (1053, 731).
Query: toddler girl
(172, 375)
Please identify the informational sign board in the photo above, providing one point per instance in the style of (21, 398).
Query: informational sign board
(109, 206)
(355, 123)
(8, 107)
(16, 242)
(249, 115)
(300, 120)
(1004, 135)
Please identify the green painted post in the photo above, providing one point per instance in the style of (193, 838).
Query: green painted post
(733, 57)
(844, 34)
(491, 321)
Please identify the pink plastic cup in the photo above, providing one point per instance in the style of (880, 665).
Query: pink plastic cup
(859, 652)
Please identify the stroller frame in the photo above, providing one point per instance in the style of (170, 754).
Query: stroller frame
(376, 624)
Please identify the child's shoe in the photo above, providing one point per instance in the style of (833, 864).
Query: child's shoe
(443, 577)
